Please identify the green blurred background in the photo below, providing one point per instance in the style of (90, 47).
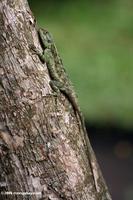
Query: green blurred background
(95, 41)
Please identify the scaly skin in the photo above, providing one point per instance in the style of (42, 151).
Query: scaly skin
(59, 78)
(60, 81)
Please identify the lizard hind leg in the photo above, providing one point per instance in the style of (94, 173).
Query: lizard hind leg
(57, 86)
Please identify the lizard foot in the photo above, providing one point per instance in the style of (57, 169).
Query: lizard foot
(34, 49)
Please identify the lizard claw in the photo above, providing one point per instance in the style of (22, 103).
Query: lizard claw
(33, 48)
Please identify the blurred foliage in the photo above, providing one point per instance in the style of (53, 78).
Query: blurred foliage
(95, 40)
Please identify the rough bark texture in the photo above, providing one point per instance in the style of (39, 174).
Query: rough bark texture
(42, 151)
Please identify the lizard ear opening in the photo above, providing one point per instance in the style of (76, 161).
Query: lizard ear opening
(49, 38)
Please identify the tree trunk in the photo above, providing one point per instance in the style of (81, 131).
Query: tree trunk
(42, 150)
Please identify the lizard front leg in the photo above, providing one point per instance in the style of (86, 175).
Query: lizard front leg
(47, 57)
(36, 51)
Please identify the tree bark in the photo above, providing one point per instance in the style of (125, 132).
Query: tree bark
(42, 150)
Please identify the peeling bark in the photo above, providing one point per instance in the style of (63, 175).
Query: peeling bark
(42, 152)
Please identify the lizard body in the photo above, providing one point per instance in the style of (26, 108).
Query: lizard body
(60, 81)
(59, 78)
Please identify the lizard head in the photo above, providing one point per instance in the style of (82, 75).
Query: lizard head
(46, 38)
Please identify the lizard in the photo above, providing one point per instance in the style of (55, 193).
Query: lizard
(59, 78)
(60, 82)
